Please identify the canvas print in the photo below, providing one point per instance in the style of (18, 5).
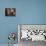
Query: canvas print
(10, 11)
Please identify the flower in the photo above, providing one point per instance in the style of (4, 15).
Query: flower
(12, 36)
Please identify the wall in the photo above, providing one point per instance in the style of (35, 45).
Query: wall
(7, 24)
(27, 12)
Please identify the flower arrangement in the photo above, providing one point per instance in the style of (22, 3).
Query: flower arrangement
(12, 37)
